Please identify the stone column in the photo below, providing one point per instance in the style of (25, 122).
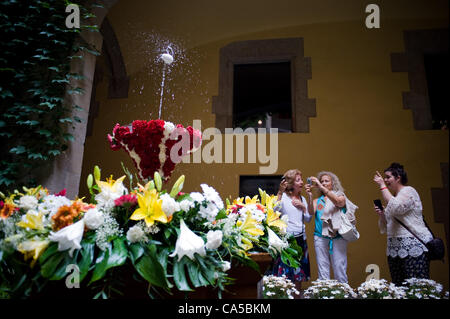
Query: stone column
(65, 171)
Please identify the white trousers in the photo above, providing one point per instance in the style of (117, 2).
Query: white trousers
(338, 259)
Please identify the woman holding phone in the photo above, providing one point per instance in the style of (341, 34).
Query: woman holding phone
(294, 205)
(407, 256)
(330, 246)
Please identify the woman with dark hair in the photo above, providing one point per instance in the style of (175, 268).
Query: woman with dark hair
(407, 256)
(293, 205)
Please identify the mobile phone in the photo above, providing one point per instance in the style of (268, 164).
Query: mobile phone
(378, 203)
(308, 181)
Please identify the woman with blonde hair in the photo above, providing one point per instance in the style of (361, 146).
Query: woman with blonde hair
(330, 246)
(293, 205)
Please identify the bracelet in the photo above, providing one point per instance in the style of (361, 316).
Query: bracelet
(383, 188)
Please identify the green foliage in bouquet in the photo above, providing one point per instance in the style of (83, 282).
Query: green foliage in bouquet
(164, 241)
(262, 228)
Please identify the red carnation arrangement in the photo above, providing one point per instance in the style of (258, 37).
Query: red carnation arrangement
(150, 144)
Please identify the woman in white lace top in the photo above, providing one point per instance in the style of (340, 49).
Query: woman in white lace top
(407, 256)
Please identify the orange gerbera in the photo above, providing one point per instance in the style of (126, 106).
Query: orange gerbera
(7, 210)
(66, 215)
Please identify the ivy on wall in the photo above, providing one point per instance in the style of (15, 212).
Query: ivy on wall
(36, 49)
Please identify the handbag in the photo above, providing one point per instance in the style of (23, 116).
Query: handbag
(436, 250)
(347, 230)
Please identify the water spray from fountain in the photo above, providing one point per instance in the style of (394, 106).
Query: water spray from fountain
(167, 59)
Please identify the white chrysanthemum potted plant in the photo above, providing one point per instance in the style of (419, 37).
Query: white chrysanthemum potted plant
(278, 287)
(329, 289)
(418, 288)
(379, 289)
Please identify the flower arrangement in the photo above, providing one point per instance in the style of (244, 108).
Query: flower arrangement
(275, 287)
(329, 289)
(261, 228)
(417, 288)
(174, 241)
(155, 145)
(379, 289)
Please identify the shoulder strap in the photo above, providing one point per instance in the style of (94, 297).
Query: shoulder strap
(427, 226)
(398, 221)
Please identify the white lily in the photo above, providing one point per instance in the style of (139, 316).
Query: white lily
(188, 243)
(69, 237)
(275, 242)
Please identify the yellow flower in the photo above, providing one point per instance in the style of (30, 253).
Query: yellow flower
(33, 221)
(33, 249)
(271, 201)
(246, 244)
(250, 226)
(273, 219)
(253, 200)
(110, 184)
(149, 186)
(149, 208)
(238, 201)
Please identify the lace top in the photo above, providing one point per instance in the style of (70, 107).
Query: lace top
(407, 207)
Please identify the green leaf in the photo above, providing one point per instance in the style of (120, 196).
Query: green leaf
(194, 275)
(66, 120)
(87, 253)
(68, 137)
(113, 256)
(46, 133)
(54, 152)
(29, 122)
(135, 252)
(179, 275)
(152, 271)
(36, 156)
(51, 250)
(49, 267)
(18, 150)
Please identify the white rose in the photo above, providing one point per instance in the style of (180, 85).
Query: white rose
(197, 197)
(69, 237)
(226, 265)
(211, 195)
(93, 218)
(214, 239)
(186, 205)
(169, 205)
(135, 234)
(28, 202)
(188, 243)
(209, 212)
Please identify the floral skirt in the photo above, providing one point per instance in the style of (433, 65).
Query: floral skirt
(301, 273)
(408, 267)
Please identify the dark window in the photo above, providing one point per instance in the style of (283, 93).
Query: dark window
(262, 96)
(437, 72)
(248, 185)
